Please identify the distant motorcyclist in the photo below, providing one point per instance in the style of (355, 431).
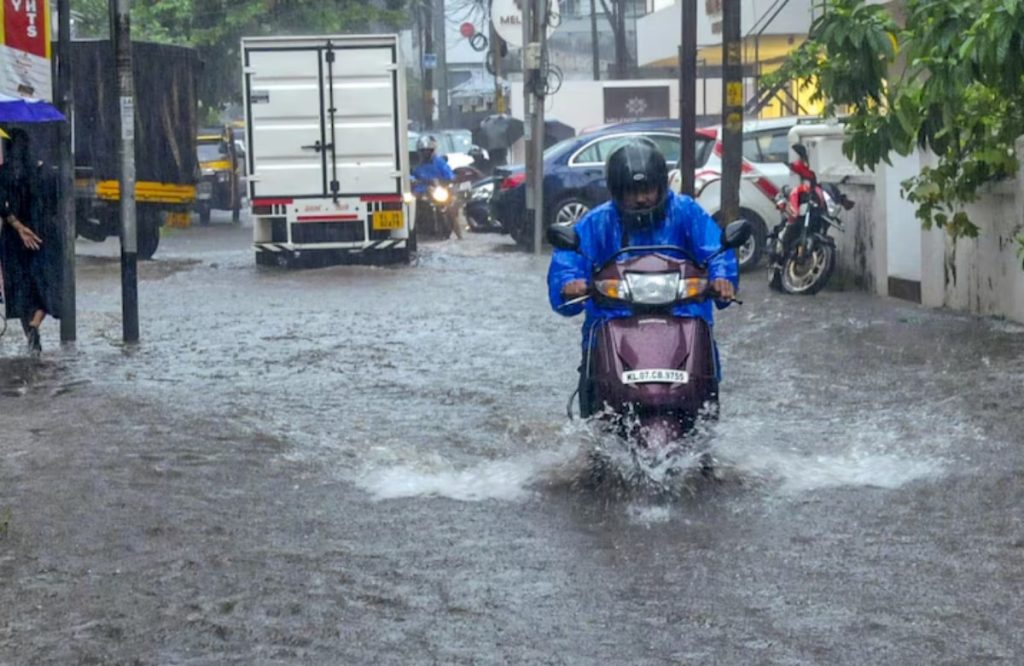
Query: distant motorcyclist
(642, 211)
(431, 166)
(434, 168)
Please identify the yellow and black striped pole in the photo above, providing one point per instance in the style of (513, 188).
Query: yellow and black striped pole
(732, 110)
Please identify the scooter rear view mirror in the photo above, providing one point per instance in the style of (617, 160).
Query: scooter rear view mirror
(801, 150)
(736, 234)
(563, 237)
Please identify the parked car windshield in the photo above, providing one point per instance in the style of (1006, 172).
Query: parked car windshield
(668, 144)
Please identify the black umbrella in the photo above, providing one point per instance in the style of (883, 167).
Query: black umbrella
(498, 132)
(555, 131)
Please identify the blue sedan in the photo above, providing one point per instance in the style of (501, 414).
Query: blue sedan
(574, 179)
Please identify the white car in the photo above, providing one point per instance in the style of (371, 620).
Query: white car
(765, 172)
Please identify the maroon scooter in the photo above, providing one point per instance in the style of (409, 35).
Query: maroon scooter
(653, 373)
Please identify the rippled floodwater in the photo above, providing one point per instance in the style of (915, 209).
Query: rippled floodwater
(373, 465)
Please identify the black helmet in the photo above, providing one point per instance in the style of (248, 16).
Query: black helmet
(638, 166)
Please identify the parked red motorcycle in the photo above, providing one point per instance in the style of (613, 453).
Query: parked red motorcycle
(802, 256)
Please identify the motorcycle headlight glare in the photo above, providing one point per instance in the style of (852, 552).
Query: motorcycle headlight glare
(692, 287)
(617, 289)
(440, 194)
(653, 288)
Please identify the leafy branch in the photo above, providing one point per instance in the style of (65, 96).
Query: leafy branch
(215, 28)
(958, 91)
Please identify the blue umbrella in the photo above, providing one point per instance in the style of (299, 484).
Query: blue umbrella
(21, 110)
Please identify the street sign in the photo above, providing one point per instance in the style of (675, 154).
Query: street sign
(25, 49)
(507, 18)
(429, 61)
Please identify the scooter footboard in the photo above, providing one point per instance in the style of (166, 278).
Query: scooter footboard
(654, 363)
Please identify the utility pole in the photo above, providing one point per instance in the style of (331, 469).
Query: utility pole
(440, 41)
(732, 110)
(621, 54)
(540, 34)
(65, 100)
(688, 96)
(428, 72)
(121, 36)
(496, 58)
(535, 18)
(594, 51)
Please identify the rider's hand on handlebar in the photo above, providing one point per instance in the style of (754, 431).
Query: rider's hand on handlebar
(723, 289)
(575, 289)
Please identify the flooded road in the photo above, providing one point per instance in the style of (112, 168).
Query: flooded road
(360, 465)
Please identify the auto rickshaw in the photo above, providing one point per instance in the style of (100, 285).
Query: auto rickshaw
(221, 168)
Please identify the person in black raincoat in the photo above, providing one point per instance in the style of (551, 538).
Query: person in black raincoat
(29, 243)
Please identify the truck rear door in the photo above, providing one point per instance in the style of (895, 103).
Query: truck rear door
(324, 120)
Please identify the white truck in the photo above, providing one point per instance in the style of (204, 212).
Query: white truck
(328, 167)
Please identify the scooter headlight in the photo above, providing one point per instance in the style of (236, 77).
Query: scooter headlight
(653, 288)
(440, 195)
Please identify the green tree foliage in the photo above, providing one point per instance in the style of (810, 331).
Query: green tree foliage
(950, 80)
(215, 29)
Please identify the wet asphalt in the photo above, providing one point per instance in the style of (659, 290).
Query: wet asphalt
(358, 465)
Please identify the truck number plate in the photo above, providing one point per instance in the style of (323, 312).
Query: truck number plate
(385, 220)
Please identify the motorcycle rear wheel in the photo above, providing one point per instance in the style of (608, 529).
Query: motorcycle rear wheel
(808, 275)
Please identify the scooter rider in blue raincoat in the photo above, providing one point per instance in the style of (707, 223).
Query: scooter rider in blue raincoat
(642, 211)
(431, 167)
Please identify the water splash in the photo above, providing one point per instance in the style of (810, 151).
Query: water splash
(511, 480)
(795, 473)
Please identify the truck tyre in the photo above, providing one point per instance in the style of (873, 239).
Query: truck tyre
(148, 232)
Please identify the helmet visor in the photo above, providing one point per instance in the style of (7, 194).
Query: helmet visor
(641, 196)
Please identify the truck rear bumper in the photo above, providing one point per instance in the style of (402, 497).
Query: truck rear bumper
(368, 246)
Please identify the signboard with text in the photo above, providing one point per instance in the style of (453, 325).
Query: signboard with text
(25, 49)
(507, 18)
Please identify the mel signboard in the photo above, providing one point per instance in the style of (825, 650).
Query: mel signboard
(507, 18)
(25, 49)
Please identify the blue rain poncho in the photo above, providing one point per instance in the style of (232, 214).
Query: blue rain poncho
(686, 225)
